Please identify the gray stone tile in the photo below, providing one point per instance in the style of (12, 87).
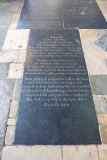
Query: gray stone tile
(2, 36)
(102, 42)
(17, 89)
(106, 61)
(6, 88)
(99, 84)
(4, 109)
(100, 104)
(3, 70)
(5, 21)
(3, 6)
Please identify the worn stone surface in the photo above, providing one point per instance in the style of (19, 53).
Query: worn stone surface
(103, 130)
(102, 118)
(99, 84)
(15, 71)
(5, 21)
(6, 88)
(102, 42)
(102, 150)
(82, 14)
(4, 109)
(93, 55)
(2, 36)
(103, 6)
(14, 21)
(32, 153)
(16, 39)
(17, 89)
(100, 104)
(41, 15)
(22, 56)
(3, 70)
(11, 122)
(80, 153)
(13, 109)
(100, 32)
(9, 56)
(14, 7)
(9, 135)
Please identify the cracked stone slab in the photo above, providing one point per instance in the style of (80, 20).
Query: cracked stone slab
(102, 42)
(6, 88)
(4, 109)
(3, 70)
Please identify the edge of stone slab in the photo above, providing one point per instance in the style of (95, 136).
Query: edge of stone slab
(32, 152)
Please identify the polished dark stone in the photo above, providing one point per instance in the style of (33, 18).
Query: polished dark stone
(56, 105)
(40, 14)
(83, 14)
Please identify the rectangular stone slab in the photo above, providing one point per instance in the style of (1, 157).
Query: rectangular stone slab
(56, 105)
(40, 14)
(83, 14)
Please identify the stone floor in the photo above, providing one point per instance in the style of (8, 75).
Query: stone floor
(13, 46)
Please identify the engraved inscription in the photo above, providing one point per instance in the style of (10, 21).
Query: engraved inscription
(56, 77)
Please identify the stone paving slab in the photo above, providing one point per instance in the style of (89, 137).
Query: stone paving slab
(3, 70)
(99, 84)
(102, 42)
(16, 40)
(32, 153)
(100, 104)
(102, 149)
(6, 88)
(80, 153)
(5, 21)
(4, 109)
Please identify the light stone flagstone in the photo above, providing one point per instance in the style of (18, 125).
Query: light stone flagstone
(15, 71)
(80, 153)
(11, 122)
(13, 109)
(9, 135)
(17, 89)
(93, 54)
(14, 21)
(32, 153)
(3, 70)
(22, 56)
(102, 118)
(103, 6)
(103, 130)
(100, 104)
(16, 39)
(102, 149)
(6, 88)
(9, 56)
(4, 109)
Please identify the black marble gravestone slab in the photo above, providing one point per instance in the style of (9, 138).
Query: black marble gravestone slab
(40, 14)
(56, 105)
(83, 14)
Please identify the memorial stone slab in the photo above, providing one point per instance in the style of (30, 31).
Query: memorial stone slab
(83, 14)
(41, 15)
(56, 105)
